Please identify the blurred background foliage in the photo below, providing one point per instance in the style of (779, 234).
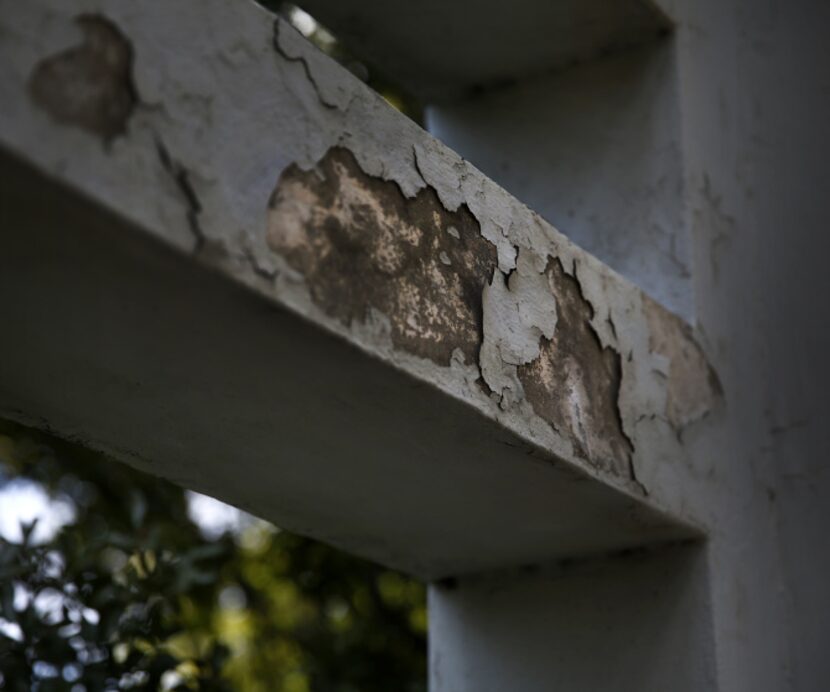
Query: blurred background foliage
(132, 594)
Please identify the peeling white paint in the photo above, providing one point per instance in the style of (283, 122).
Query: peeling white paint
(518, 311)
(235, 111)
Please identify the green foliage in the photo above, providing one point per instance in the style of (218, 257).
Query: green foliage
(131, 595)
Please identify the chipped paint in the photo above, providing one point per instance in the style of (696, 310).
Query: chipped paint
(376, 231)
(519, 309)
(361, 244)
(89, 85)
(574, 384)
(692, 386)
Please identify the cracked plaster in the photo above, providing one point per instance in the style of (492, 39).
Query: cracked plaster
(294, 105)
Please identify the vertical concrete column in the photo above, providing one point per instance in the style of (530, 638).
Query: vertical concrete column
(633, 622)
(755, 106)
(721, 132)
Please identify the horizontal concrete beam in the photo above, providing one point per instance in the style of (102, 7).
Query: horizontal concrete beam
(228, 262)
(443, 50)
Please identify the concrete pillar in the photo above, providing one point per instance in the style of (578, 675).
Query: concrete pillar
(630, 622)
(717, 135)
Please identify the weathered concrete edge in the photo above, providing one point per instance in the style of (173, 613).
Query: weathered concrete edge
(295, 106)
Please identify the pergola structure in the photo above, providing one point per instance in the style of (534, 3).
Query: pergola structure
(228, 262)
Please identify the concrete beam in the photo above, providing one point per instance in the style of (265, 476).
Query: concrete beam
(445, 50)
(228, 262)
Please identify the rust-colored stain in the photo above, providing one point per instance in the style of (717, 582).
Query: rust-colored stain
(90, 85)
(361, 244)
(574, 383)
(692, 386)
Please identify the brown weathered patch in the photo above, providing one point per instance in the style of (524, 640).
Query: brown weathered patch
(692, 386)
(90, 85)
(574, 384)
(361, 244)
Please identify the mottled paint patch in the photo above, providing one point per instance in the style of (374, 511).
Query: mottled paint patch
(692, 386)
(361, 244)
(90, 85)
(574, 384)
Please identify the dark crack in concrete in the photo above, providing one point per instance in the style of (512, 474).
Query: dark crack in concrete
(181, 177)
(303, 62)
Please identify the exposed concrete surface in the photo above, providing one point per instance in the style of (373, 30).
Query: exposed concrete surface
(574, 360)
(421, 267)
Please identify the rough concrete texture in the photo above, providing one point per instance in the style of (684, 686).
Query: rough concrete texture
(574, 361)
(235, 141)
(361, 245)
